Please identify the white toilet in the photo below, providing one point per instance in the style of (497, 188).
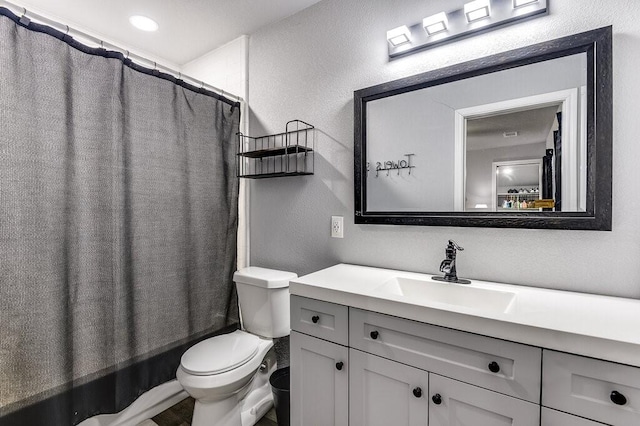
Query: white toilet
(228, 375)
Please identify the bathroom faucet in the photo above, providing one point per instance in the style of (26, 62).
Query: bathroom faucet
(448, 265)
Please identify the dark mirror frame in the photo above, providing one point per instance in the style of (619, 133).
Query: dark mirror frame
(597, 44)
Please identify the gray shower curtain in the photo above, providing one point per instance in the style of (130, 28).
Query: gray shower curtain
(118, 220)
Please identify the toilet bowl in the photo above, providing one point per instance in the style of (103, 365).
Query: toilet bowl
(228, 375)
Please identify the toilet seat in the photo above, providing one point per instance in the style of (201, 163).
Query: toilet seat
(220, 354)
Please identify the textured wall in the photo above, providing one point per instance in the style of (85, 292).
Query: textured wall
(224, 67)
(307, 66)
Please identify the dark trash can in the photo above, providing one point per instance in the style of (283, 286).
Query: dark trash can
(280, 385)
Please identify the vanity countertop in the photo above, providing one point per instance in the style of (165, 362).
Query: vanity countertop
(591, 325)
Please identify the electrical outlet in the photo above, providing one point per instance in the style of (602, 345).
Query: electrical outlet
(337, 226)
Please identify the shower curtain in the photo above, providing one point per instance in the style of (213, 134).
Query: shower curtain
(118, 221)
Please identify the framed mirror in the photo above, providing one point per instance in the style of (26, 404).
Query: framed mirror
(521, 139)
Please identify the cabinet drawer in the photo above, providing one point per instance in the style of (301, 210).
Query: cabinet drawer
(556, 418)
(325, 320)
(456, 354)
(453, 403)
(586, 386)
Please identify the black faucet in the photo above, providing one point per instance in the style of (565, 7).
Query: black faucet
(448, 266)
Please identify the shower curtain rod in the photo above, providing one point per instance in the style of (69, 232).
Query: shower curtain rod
(140, 60)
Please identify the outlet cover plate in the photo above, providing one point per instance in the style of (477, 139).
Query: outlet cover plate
(337, 227)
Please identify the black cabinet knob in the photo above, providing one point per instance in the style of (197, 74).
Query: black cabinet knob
(339, 365)
(494, 367)
(437, 399)
(618, 398)
(315, 319)
(417, 392)
(374, 335)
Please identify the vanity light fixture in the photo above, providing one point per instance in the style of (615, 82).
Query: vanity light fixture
(399, 36)
(143, 23)
(520, 3)
(435, 24)
(476, 16)
(477, 9)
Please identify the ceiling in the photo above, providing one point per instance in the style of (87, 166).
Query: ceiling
(533, 126)
(188, 28)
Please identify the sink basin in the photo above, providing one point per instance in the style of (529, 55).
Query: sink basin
(426, 292)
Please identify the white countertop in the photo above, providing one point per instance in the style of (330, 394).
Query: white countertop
(585, 324)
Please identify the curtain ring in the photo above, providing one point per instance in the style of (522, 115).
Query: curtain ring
(179, 76)
(127, 57)
(24, 20)
(68, 29)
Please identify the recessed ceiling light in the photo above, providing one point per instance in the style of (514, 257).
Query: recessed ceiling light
(143, 23)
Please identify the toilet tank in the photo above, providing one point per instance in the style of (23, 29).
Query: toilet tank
(263, 295)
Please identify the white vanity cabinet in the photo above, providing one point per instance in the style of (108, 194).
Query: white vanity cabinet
(383, 392)
(319, 366)
(327, 321)
(319, 382)
(492, 369)
(454, 403)
(505, 367)
(384, 377)
(362, 368)
(592, 388)
(558, 418)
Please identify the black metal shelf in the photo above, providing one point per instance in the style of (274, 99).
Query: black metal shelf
(272, 152)
(277, 174)
(283, 154)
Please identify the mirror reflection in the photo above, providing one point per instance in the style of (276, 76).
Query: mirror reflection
(512, 140)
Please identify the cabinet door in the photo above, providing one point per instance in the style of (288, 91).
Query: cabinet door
(319, 382)
(453, 403)
(556, 418)
(384, 392)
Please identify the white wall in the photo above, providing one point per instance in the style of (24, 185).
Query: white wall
(224, 67)
(307, 67)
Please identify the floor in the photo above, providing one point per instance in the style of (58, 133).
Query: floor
(181, 414)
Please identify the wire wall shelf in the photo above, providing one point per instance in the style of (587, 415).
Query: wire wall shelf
(284, 154)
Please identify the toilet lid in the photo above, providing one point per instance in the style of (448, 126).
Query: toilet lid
(219, 354)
